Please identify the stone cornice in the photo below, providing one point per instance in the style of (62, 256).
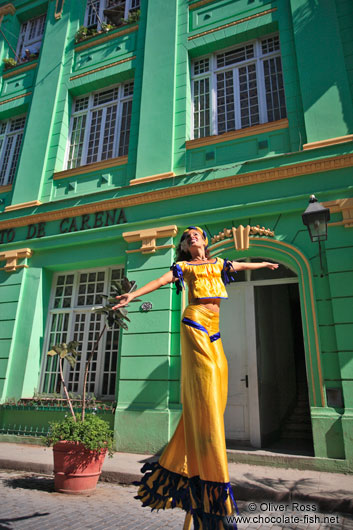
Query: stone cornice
(200, 4)
(234, 23)
(176, 192)
(89, 168)
(239, 133)
(6, 188)
(7, 9)
(110, 65)
(328, 142)
(22, 205)
(12, 256)
(14, 98)
(16, 71)
(343, 206)
(148, 238)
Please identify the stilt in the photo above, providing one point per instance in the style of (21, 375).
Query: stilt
(187, 522)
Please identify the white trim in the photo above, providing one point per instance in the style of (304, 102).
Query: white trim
(257, 60)
(5, 138)
(88, 112)
(72, 311)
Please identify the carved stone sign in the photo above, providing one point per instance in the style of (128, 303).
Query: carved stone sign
(67, 225)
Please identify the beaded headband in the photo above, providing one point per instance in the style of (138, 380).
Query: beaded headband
(202, 232)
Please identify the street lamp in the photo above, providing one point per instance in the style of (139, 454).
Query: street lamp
(315, 218)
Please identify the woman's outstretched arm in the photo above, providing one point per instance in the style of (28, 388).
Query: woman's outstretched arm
(243, 265)
(124, 299)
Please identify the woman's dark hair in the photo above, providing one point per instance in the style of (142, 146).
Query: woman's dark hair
(182, 255)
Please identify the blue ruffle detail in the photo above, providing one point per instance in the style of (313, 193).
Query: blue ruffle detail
(227, 272)
(184, 493)
(194, 324)
(216, 336)
(178, 274)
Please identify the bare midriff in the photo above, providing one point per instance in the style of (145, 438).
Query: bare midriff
(212, 304)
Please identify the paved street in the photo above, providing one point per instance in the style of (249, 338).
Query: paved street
(29, 502)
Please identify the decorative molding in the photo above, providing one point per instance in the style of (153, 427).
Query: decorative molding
(308, 304)
(7, 9)
(343, 206)
(102, 68)
(89, 168)
(21, 205)
(197, 188)
(16, 97)
(58, 12)
(200, 4)
(5, 189)
(12, 256)
(235, 23)
(21, 70)
(240, 133)
(330, 141)
(148, 238)
(105, 38)
(240, 235)
(160, 176)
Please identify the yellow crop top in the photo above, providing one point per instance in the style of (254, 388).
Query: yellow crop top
(204, 280)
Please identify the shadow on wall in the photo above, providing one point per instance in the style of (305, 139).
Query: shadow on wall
(154, 392)
(313, 30)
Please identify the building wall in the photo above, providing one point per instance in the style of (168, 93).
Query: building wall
(261, 175)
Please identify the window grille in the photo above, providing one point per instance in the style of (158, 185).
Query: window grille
(95, 10)
(11, 133)
(238, 88)
(31, 34)
(100, 126)
(70, 318)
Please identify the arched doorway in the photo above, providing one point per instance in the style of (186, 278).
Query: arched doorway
(262, 336)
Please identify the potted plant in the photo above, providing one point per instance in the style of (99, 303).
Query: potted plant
(81, 442)
(9, 63)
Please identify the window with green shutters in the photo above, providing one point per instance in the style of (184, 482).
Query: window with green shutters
(73, 296)
(237, 88)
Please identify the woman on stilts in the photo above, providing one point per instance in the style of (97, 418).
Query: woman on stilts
(192, 472)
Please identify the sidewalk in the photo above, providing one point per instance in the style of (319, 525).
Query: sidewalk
(331, 492)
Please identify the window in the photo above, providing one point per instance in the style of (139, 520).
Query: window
(11, 133)
(100, 126)
(31, 34)
(70, 318)
(95, 10)
(238, 88)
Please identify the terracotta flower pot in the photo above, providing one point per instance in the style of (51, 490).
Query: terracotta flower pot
(76, 468)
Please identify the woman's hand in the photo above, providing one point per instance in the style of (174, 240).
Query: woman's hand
(124, 299)
(271, 266)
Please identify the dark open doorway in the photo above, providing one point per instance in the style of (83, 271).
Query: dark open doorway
(285, 422)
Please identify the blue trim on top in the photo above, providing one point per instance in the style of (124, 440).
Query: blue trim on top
(210, 297)
(198, 264)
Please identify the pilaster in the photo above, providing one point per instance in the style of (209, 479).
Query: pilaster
(327, 104)
(155, 147)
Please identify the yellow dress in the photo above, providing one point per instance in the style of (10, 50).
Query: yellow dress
(192, 472)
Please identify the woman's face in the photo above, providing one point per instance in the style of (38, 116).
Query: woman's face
(194, 239)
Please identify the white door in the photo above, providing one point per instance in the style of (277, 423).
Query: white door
(236, 322)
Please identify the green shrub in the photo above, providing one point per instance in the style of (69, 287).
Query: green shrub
(94, 433)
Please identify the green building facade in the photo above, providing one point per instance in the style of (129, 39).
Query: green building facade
(122, 125)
